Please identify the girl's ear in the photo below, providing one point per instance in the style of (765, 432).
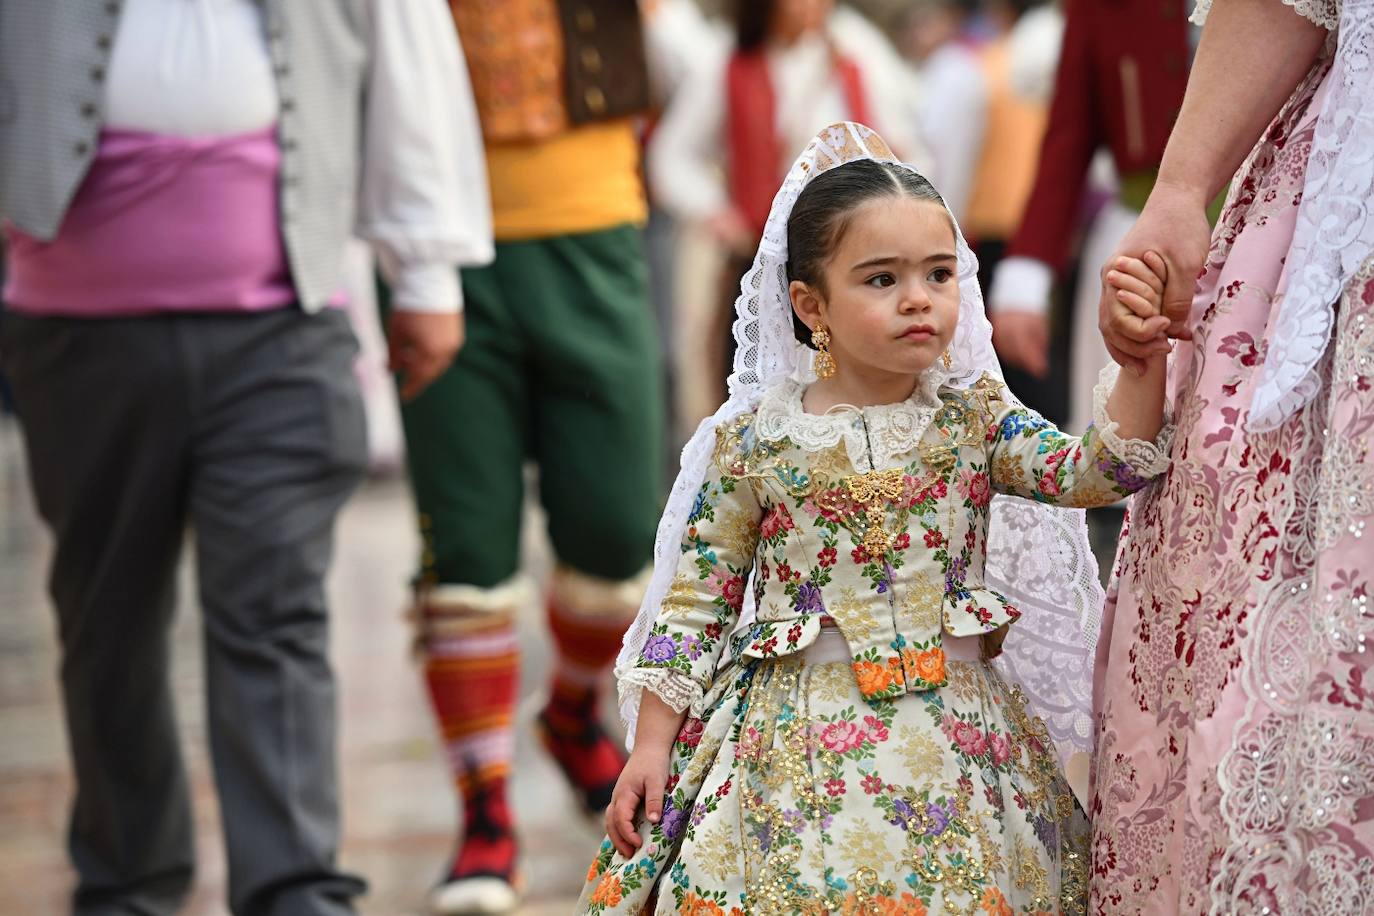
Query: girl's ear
(805, 303)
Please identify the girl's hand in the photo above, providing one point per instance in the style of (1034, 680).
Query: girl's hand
(1133, 294)
(1139, 283)
(642, 780)
(1173, 224)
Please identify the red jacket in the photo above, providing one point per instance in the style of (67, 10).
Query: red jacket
(1122, 72)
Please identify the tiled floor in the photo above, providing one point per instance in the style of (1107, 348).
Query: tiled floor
(399, 810)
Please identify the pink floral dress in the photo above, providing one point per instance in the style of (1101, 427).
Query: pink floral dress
(878, 765)
(1235, 757)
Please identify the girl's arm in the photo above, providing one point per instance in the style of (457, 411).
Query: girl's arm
(1137, 400)
(645, 774)
(1128, 443)
(678, 661)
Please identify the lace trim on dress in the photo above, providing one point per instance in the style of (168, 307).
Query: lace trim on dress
(881, 434)
(1325, 13)
(676, 689)
(1148, 459)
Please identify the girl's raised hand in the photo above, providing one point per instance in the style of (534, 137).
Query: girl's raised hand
(1139, 283)
(642, 781)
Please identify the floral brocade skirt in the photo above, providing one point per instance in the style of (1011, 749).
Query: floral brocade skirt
(793, 794)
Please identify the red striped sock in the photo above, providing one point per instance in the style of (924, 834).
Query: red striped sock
(586, 647)
(473, 679)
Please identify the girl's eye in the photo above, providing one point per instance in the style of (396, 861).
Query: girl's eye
(941, 274)
(881, 281)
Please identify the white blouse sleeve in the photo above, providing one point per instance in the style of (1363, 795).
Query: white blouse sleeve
(1324, 13)
(424, 201)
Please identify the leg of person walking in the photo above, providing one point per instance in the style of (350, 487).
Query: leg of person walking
(598, 420)
(105, 416)
(466, 440)
(279, 444)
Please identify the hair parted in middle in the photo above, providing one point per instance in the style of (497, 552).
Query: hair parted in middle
(825, 208)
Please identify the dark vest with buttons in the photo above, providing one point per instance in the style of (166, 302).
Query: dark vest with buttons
(539, 67)
(53, 60)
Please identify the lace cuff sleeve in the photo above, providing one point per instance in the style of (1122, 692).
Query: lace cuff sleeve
(678, 690)
(1324, 13)
(1148, 459)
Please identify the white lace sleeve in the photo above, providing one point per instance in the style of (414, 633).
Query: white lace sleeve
(678, 690)
(1325, 13)
(1148, 459)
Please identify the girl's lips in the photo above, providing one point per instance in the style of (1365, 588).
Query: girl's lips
(918, 334)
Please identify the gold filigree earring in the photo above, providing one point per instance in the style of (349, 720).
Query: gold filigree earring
(825, 363)
(947, 360)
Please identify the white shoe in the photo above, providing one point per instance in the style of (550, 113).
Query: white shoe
(474, 897)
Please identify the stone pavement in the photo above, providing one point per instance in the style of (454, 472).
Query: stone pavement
(399, 809)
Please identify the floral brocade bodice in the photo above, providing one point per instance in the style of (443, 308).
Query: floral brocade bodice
(876, 518)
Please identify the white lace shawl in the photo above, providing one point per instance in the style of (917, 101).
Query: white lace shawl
(1335, 225)
(1038, 555)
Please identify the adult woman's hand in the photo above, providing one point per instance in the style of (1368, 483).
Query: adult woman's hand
(1173, 224)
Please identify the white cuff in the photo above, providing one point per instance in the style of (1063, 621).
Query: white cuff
(1147, 459)
(1021, 285)
(678, 690)
(423, 286)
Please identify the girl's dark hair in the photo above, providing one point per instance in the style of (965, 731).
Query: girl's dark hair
(752, 18)
(824, 209)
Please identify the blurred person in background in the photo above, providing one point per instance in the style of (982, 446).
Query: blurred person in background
(951, 105)
(561, 367)
(1119, 86)
(178, 182)
(1017, 63)
(682, 45)
(725, 143)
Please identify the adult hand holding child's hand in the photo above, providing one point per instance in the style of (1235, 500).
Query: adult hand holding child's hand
(1173, 231)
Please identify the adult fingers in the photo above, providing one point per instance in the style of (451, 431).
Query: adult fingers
(1125, 324)
(421, 369)
(1178, 302)
(1142, 350)
(1126, 360)
(1159, 268)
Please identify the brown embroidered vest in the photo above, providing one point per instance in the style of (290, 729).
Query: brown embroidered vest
(539, 67)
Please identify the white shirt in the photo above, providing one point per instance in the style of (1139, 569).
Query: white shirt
(201, 68)
(952, 113)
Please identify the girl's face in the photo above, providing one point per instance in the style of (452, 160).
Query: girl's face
(891, 299)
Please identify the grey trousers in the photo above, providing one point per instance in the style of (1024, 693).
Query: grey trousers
(250, 428)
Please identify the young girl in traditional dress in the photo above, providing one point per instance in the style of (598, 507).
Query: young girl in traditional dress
(844, 744)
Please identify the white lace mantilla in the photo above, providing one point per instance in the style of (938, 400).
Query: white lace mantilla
(1325, 13)
(1148, 459)
(876, 438)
